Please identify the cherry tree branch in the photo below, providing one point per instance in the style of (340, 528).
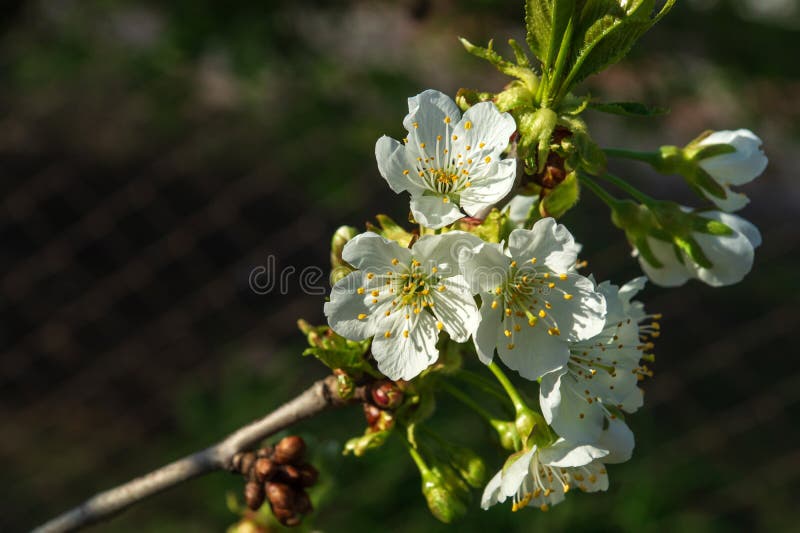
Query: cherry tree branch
(317, 398)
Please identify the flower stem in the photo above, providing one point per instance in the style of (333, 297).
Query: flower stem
(601, 193)
(480, 382)
(647, 157)
(469, 402)
(628, 188)
(512, 392)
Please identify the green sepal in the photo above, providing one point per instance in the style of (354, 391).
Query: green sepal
(336, 352)
(536, 131)
(700, 179)
(692, 248)
(466, 98)
(391, 230)
(358, 446)
(494, 228)
(628, 109)
(710, 226)
(562, 198)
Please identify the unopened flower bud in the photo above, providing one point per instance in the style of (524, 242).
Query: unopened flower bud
(290, 473)
(372, 414)
(253, 495)
(443, 498)
(339, 267)
(280, 495)
(302, 503)
(243, 462)
(283, 515)
(264, 469)
(386, 395)
(289, 450)
(308, 475)
(469, 465)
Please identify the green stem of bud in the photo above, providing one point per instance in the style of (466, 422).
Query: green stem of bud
(469, 402)
(653, 158)
(513, 394)
(600, 192)
(628, 188)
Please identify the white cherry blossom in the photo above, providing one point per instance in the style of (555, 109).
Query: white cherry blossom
(602, 374)
(542, 476)
(449, 161)
(731, 256)
(404, 298)
(734, 168)
(534, 303)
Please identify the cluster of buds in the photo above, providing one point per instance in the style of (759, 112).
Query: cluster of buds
(279, 475)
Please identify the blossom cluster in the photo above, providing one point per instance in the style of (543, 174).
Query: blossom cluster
(520, 296)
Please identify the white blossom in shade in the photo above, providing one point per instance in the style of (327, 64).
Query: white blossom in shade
(731, 256)
(541, 477)
(404, 298)
(519, 208)
(449, 161)
(602, 374)
(734, 168)
(534, 303)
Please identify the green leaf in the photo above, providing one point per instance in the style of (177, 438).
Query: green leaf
(506, 67)
(546, 22)
(628, 109)
(608, 32)
(494, 228)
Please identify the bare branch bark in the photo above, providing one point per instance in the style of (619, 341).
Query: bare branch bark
(320, 396)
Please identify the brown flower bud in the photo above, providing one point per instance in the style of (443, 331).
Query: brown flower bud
(280, 495)
(289, 450)
(265, 452)
(302, 503)
(371, 413)
(253, 495)
(308, 475)
(243, 462)
(386, 394)
(290, 474)
(282, 514)
(265, 469)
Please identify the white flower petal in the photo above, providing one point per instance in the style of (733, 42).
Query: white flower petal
(456, 310)
(484, 129)
(404, 357)
(485, 267)
(492, 493)
(345, 308)
(396, 166)
(428, 111)
(618, 440)
(434, 212)
(533, 351)
(736, 168)
(733, 201)
(485, 337)
(550, 243)
(564, 454)
(444, 251)
(489, 185)
(369, 251)
(519, 207)
(568, 411)
(584, 315)
(672, 273)
(514, 473)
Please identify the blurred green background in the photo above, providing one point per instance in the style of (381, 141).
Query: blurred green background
(153, 153)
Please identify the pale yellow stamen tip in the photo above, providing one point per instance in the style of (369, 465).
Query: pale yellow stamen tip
(405, 333)
(360, 290)
(439, 326)
(568, 297)
(542, 313)
(362, 316)
(387, 334)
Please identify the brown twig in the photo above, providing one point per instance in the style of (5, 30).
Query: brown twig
(320, 396)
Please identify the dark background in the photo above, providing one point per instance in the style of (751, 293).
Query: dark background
(153, 153)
